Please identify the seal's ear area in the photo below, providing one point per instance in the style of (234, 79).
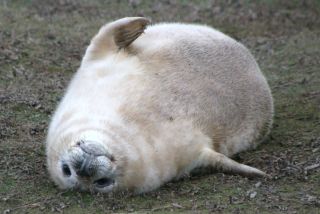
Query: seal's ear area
(116, 35)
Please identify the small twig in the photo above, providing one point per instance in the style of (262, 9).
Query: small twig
(161, 208)
(177, 205)
(174, 205)
(29, 205)
(314, 166)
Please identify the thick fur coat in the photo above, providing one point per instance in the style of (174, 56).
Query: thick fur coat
(151, 103)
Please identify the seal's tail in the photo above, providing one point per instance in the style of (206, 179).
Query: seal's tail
(114, 36)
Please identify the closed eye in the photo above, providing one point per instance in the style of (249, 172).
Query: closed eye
(103, 182)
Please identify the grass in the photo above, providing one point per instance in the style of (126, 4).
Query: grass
(41, 45)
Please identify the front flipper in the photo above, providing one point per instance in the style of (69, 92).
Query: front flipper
(221, 162)
(114, 36)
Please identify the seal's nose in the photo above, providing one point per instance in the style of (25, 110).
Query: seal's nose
(90, 159)
(85, 167)
(91, 148)
(84, 164)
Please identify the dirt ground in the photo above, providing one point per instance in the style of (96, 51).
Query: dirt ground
(41, 45)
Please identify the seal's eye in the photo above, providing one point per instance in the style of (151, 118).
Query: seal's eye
(66, 170)
(103, 182)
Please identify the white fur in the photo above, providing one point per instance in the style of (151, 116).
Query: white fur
(125, 101)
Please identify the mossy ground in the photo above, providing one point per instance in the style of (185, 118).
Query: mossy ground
(41, 45)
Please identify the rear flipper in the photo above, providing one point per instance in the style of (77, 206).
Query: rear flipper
(115, 36)
(210, 158)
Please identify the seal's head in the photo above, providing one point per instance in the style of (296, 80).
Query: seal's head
(87, 165)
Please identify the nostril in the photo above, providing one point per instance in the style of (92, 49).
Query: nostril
(79, 143)
(103, 182)
(66, 170)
